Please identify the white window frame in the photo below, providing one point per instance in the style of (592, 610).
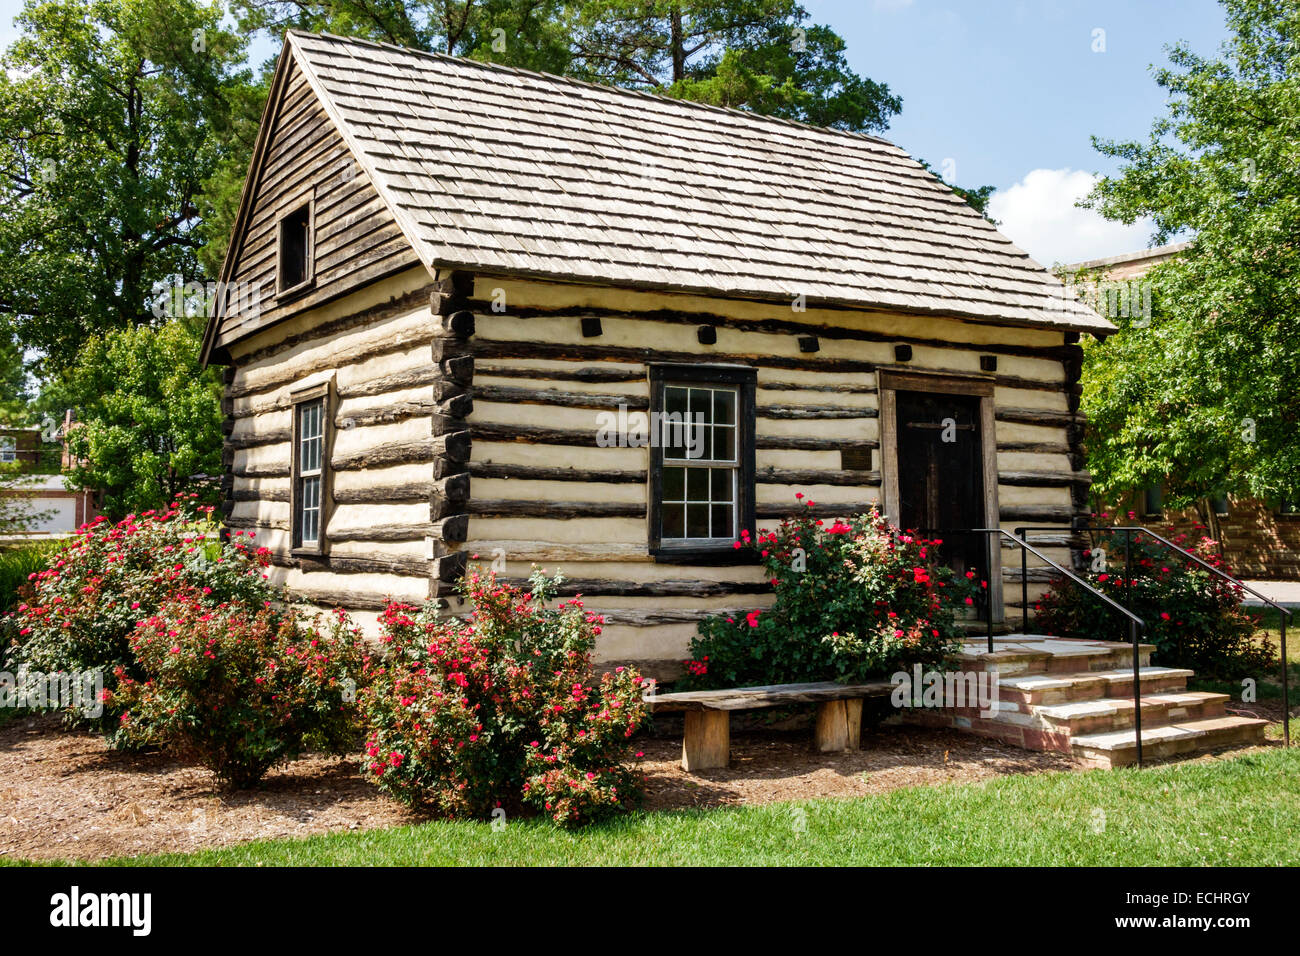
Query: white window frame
(316, 476)
(707, 465)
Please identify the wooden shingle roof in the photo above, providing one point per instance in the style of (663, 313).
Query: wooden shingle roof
(495, 169)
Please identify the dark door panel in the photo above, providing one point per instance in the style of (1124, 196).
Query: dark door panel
(941, 470)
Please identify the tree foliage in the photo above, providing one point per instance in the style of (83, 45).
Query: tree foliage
(762, 55)
(1201, 393)
(148, 417)
(113, 114)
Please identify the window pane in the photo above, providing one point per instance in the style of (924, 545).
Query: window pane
(702, 405)
(674, 484)
(674, 521)
(702, 442)
(724, 444)
(723, 524)
(697, 521)
(721, 484)
(697, 484)
(724, 407)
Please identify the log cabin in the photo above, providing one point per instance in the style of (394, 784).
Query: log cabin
(457, 293)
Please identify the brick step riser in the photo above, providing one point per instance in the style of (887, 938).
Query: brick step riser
(1030, 738)
(1046, 740)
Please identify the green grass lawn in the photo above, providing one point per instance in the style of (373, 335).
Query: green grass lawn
(1241, 811)
(1269, 687)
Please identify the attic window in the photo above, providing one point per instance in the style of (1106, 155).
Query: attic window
(295, 250)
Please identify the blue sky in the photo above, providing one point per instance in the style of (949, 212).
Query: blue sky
(1011, 90)
(1008, 92)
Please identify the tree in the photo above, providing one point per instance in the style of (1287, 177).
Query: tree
(1201, 393)
(113, 114)
(148, 417)
(14, 392)
(534, 34)
(976, 197)
(762, 55)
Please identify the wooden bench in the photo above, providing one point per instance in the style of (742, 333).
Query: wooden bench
(706, 742)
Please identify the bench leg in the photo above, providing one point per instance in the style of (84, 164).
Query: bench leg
(706, 744)
(839, 726)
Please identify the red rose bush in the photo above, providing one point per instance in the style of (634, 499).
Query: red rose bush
(854, 600)
(239, 688)
(501, 709)
(80, 612)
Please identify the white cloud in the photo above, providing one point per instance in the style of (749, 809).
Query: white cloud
(1039, 215)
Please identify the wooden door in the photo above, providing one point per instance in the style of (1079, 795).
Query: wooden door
(941, 471)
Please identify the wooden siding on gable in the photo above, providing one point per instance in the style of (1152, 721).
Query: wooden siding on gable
(356, 241)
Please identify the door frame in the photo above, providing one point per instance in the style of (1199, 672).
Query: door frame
(891, 381)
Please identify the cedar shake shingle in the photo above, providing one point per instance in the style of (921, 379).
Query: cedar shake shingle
(495, 169)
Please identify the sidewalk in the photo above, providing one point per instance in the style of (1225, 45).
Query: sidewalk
(1283, 592)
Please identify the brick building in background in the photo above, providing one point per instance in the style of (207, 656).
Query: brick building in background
(62, 507)
(1258, 539)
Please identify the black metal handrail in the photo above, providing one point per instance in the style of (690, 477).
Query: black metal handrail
(1130, 530)
(1135, 624)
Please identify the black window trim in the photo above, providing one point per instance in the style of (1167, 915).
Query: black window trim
(745, 378)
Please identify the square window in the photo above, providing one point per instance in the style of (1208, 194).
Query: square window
(703, 462)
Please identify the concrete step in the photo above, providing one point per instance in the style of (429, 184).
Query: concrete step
(1055, 726)
(1022, 654)
(1119, 748)
(1038, 689)
(1116, 713)
(1076, 697)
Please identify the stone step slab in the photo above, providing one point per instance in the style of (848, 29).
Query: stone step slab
(1119, 748)
(1023, 654)
(1035, 689)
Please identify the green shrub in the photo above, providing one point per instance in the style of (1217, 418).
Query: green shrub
(853, 601)
(78, 614)
(17, 565)
(1194, 618)
(239, 688)
(500, 710)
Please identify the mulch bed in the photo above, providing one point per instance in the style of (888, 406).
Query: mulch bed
(66, 795)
